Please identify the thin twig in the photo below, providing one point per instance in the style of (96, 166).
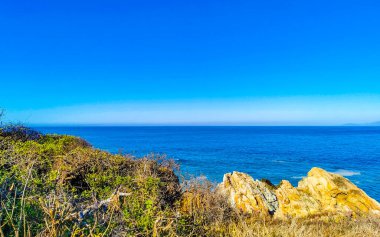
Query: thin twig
(96, 206)
(23, 200)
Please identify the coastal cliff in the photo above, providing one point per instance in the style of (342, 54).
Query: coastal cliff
(319, 194)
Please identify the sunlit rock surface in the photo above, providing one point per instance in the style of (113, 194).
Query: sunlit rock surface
(337, 194)
(295, 203)
(248, 195)
(320, 193)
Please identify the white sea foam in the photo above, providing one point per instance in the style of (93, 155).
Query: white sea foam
(278, 161)
(298, 177)
(346, 173)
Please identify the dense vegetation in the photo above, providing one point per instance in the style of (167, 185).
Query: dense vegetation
(53, 185)
(59, 186)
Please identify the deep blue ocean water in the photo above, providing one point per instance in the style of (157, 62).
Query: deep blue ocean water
(274, 153)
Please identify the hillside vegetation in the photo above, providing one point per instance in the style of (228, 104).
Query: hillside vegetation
(52, 185)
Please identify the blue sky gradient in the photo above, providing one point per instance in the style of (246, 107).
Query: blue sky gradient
(190, 62)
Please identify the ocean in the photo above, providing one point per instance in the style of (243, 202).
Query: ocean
(274, 153)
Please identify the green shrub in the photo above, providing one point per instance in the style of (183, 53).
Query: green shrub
(49, 181)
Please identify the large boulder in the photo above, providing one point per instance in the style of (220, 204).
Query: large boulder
(337, 194)
(248, 195)
(319, 194)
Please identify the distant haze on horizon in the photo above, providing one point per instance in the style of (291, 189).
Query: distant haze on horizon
(339, 110)
(195, 62)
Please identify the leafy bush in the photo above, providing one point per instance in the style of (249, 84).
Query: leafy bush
(62, 179)
(19, 132)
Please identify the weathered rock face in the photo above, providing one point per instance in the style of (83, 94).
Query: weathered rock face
(320, 193)
(294, 203)
(337, 194)
(248, 195)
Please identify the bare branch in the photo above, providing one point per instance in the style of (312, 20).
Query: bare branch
(98, 205)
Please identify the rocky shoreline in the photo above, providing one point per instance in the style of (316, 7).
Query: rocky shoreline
(319, 194)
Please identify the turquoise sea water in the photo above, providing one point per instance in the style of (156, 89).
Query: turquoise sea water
(274, 153)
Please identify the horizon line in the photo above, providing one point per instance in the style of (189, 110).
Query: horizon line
(201, 125)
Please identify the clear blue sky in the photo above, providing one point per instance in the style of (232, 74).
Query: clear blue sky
(190, 62)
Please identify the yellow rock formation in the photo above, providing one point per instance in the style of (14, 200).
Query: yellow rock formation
(294, 203)
(337, 194)
(320, 193)
(248, 195)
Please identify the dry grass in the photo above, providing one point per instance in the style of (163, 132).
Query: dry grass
(366, 227)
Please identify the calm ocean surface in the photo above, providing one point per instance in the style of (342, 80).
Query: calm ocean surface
(274, 153)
